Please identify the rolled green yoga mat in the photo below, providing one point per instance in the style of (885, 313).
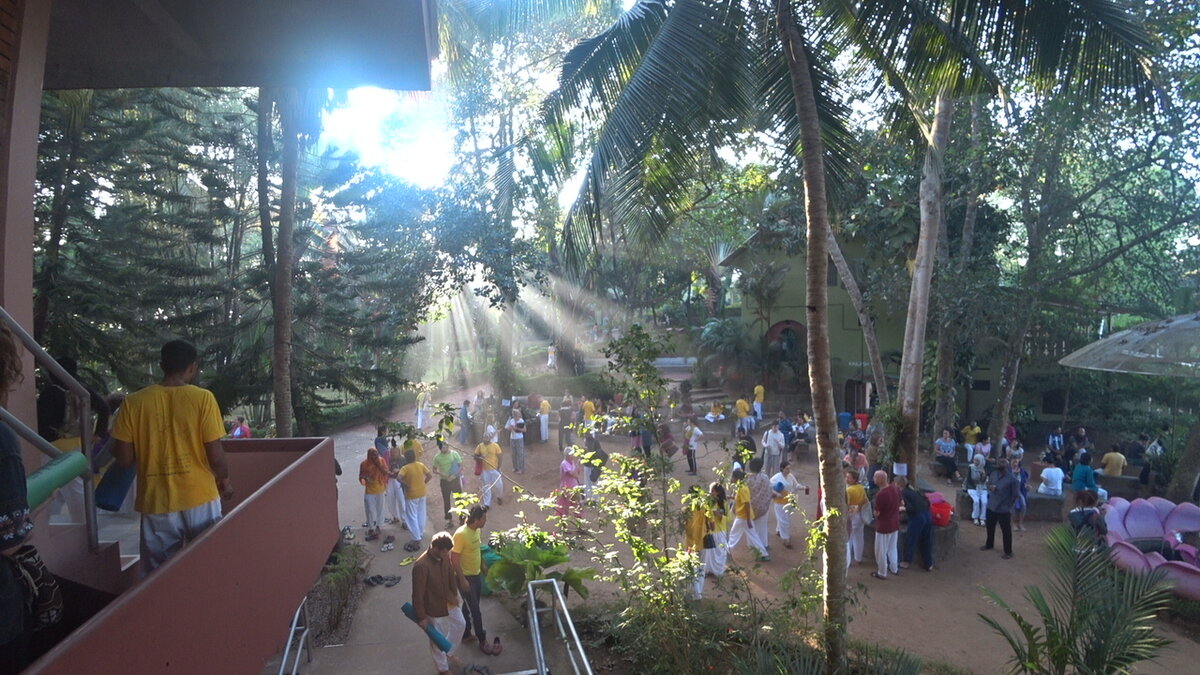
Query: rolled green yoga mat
(433, 633)
(490, 557)
(60, 471)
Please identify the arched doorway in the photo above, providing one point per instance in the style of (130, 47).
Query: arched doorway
(787, 355)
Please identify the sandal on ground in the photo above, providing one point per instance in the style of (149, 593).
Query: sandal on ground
(387, 547)
(467, 639)
(903, 566)
(373, 580)
(389, 539)
(390, 581)
(408, 561)
(879, 576)
(496, 646)
(485, 648)
(412, 546)
(347, 533)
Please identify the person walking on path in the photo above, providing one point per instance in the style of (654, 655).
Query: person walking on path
(437, 588)
(920, 525)
(491, 457)
(743, 517)
(784, 489)
(1004, 492)
(373, 476)
(745, 420)
(516, 428)
(544, 420)
(172, 431)
(467, 557)
(716, 557)
(760, 499)
(691, 441)
(887, 526)
(447, 464)
(760, 396)
(414, 475)
(773, 445)
(976, 486)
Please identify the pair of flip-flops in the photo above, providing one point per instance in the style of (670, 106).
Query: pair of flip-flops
(408, 561)
(412, 546)
(381, 580)
(347, 533)
(372, 535)
(389, 544)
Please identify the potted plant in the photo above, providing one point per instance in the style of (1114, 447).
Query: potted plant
(529, 558)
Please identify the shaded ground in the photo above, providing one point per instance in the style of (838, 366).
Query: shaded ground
(933, 615)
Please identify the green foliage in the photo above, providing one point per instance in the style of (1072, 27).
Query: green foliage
(525, 557)
(724, 343)
(1094, 618)
(340, 576)
(893, 422)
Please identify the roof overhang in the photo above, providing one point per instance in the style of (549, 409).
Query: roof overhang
(102, 44)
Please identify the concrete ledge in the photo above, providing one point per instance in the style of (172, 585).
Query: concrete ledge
(945, 541)
(1046, 508)
(1120, 486)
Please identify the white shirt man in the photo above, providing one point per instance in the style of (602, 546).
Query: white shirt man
(772, 444)
(1052, 481)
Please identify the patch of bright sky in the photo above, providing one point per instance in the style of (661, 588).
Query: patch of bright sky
(408, 134)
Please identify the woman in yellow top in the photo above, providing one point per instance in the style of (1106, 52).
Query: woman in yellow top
(760, 396)
(413, 444)
(414, 475)
(856, 500)
(544, 418)
(589, 409)
(716, 412)
(744, 420)
(715, 558)
(743, 518)
(698, 524)
(373, 476)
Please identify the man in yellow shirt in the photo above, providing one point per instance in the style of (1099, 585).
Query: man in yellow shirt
(1113, 463)
(971, 433)
(743, 518)
(589, 409)
(413, 476)
(760, 396)
(173, 431)
(742, 410)
(491, 454)
(414, 444)
(467, 556)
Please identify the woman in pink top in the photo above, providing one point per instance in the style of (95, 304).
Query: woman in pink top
(569, 472)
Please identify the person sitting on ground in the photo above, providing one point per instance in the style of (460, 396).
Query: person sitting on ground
(971, 433)
(1052, 481)
(947, 455)
(1113, 463)
(1084, 477)
(716, 413)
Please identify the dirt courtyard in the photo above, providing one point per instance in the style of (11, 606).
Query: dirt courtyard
(933, 615)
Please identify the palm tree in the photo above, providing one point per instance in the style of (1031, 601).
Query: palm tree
(673, 79)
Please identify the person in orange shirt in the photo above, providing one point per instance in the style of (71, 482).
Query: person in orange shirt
(373, 476)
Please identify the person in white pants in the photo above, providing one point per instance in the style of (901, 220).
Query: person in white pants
(743, 518)
(977, 490)
(395, 489)
(414, 475)
(772, 445)
(784, 489)
(715, 558)
(490, 454)
(856, 501)
(887, 527)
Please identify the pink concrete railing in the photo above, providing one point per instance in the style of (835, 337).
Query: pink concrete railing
(224, 603)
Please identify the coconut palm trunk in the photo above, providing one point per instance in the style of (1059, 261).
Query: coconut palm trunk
(820, 378)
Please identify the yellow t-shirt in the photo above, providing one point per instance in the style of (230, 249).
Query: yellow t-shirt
(417, 448)
(589, 410)
(1114, 464)
(856, 495)
(971, 434)
(466, 545)
(717, 409)
(168, 427)
(694, 531)
(742, 408)
(741, 503)
(413, 475)
(760, 393)
(376, 479)
(491, 454)
(545, 407)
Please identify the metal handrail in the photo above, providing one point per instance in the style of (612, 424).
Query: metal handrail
(305, 646)
(72, 385)
(564, 624)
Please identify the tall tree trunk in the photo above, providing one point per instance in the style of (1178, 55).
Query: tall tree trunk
(281, 293)
(864, 317)
(913, 362)
(953, 323)
(265, 148)
(1183, 480)
(819, 374)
